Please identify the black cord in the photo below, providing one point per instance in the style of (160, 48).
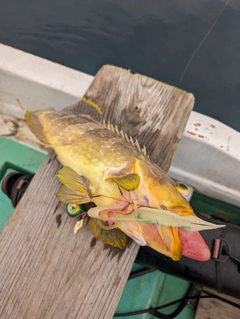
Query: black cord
(140, 272)
(183, 301)
(155, 312)
(177, 311)
(139, 312)
(237, 259)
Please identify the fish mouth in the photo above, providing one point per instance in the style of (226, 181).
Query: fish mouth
(171, 244)
(164, 240)
(170, 239)
(192, 243)
(176, 242)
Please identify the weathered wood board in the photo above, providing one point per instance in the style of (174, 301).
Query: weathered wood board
(217, 309)
(46, 270)
(148, 110)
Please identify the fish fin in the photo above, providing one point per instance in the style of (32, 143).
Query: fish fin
(129, 182)
(113, 237)
(35, 125)
(127, 137)
(69, 195)
(73, 180)
(87, 107)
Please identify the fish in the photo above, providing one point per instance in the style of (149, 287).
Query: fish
(134, 197)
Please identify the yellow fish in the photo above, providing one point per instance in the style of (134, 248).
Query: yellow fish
(132, 194)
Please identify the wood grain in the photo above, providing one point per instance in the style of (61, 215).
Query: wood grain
(217, 309)
(148, 110)
(46, 271)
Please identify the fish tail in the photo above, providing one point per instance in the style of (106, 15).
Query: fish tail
(35, 125)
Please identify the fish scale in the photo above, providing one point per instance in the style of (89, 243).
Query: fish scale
(98, 152)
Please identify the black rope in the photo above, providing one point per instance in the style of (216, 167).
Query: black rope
(140, 272)
(177, 311)
(233, 257)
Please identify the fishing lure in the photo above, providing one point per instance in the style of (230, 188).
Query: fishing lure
(74, 210)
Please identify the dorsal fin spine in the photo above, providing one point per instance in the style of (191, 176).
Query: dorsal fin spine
(129, 139)
(138, 147)
(132, 141)
(116, 130)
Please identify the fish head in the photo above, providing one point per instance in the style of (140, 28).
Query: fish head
(167, 196)
(164, 194)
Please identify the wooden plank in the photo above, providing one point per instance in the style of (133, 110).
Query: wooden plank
(214, 292)
(47, 272)
(217, 309)
(148, 110)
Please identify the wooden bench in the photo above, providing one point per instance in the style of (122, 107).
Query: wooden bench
(46, 270)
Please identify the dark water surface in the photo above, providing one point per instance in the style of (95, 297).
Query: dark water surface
(192, 44)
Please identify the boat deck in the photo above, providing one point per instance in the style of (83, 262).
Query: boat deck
(16, 128)
(206, 308)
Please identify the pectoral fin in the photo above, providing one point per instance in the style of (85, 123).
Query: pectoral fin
(75, 188)
(67, 176)
(69, 195)
(128, 182)
(114, 237)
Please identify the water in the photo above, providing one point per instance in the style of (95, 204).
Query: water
(194, 45)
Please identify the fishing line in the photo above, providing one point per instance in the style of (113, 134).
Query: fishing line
(76, 217)
(203, 40)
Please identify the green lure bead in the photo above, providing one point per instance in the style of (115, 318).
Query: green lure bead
(75, 209)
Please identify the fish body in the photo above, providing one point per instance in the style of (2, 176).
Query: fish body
(102, 167)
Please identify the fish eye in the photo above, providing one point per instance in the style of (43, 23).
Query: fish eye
(74, 209)
(183, 186)
(183, 189)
